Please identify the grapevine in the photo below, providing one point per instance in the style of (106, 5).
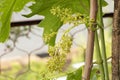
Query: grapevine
(58, 52)
(66, 15)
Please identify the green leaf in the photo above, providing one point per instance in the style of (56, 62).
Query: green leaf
(5, 15)
(104, 3)
(19, 5)
(95, 74)
(76, 75)
(6, 9)
(51, 24)
(42, 7)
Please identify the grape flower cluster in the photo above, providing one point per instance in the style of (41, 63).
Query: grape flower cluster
(66, 15)
(58, 53)
(47, 37)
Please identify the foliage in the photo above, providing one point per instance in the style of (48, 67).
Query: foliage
(44, 8)
(40, 7)
(76, 75)
(56, 14)
(59, 53)
(5, 15)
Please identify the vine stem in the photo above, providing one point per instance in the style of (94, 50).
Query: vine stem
(98, 57)
(103, 48)
(116, 42)
(90, 42)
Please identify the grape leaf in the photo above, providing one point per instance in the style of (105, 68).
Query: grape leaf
(42, 7)
(95, 74)
(54, 26)
(5, 15)
(104, 3)
(19, 5)
(76, 75)
(6, 9)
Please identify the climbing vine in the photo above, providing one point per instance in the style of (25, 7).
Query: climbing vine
(57, 13)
